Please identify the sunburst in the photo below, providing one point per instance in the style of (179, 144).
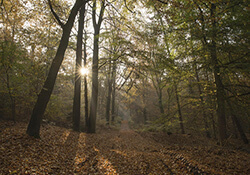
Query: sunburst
(84, 71)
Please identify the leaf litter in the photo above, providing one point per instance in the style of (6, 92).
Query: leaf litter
(109, 151)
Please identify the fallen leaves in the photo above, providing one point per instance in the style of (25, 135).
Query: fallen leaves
(62, 151)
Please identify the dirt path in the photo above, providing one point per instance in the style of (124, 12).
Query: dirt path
(125, 127)
(61, 151)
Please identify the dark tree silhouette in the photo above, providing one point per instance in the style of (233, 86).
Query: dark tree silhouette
(93, 103)
(44, 96)
(77, 90)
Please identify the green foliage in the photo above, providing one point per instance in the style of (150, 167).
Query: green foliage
(15, 67)
(155, 47)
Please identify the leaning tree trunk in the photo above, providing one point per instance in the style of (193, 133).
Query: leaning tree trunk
(77, 89)
(44, 96)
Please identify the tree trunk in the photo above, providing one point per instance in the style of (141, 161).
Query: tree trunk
(44, 96)
(109, 83)
(160, 101)
(235, 131)
(85, 84)
(113, 92)
(77, 89)
(219, 86)
(93, 103)
(94, 97)
(213, 125)
(12, 98)
(145, 118)
(237, 122)
(144, 111)
(179, 109)
(202, 103)
(13, 109)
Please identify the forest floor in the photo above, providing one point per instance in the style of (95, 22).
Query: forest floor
(109, 151)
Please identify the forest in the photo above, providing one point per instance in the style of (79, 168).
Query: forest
(124, 87)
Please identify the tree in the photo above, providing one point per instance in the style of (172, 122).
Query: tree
(44, 96)
(167, 59)
(202, 102)
(85, 83)
(94, 98)
(220, 93)
(237, 122)
(77, 89)
(179, 107)
(113, 75)
(11, 56)
(108, 99)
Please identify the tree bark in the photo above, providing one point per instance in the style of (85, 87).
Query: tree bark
(44, 96)
(77, 89)
(94, 97)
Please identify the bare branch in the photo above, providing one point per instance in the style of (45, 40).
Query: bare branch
(163, 2)
(55, 15)
(126, 79)
(125, 2)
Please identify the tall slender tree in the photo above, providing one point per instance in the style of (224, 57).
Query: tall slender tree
(77, 89)
(179, 108)
(86, 101)
(44, 96)
(113, 75)
(94, 98)
(108, 99)
(220, 94)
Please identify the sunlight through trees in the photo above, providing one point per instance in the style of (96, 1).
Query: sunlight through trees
(172, 66)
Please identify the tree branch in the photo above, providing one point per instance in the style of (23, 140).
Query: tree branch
(55, 15)
(126, 79)
(94, 13)
(101, 13)
(163, 2)
(125, 2)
